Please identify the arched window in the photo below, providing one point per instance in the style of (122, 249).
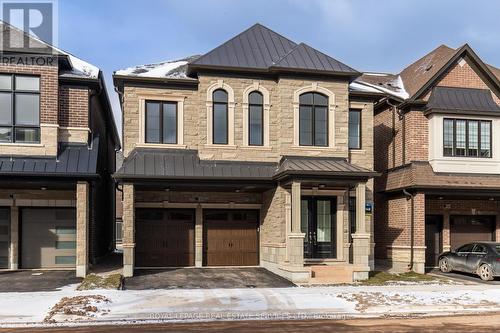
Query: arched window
(255, 119)
(313, 119)
(220, 117)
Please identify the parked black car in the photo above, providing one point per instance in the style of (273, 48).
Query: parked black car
(482, 258)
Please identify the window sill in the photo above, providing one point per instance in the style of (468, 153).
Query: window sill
(357, 151)
(311, 147)
(263, 148)
(16, 144)
(159, 145)
(213, 146)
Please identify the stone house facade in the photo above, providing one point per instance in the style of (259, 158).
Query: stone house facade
(435, 136)
(265, 162)
(57, 143)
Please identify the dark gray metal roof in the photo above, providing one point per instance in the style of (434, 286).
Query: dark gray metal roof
(74, 160)
(259, 48)
(320, 165)
(462, 100)
(305, 57)
(186, 164)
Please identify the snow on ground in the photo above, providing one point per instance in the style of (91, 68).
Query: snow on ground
(210, 304)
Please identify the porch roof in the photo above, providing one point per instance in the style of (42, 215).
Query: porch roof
(419, 175)
(152, 163)
(75, 160)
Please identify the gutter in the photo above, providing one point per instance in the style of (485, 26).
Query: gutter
(411, 197)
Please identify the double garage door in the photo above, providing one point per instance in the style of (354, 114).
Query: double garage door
(48, 237)
(166, 237)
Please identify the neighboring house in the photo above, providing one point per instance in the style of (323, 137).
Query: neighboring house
(257, 153)
(437, 144)
(57, 153)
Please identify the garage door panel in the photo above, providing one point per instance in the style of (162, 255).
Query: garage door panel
(4, 237)
(48, 238)
(467, 229)
(231, 238)
(164, 238)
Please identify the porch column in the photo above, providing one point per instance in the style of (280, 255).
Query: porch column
(128, 229)
(361, 239)
(198, 236)
(296, 237)
(14, 237)
(82, 228)
(446, 231)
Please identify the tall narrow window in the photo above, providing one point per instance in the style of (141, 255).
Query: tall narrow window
(161, 122)
(464, 137)
(354, 129)
(313, 119)
(255, 119)
(220, 117)
(19, 108)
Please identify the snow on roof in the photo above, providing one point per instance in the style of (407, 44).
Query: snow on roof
(173, 69)
(361, 86)
(396, 85)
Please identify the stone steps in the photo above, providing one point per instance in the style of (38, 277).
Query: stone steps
(324, 274)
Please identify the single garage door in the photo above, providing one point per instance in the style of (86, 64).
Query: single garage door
(164, 237)
(48, 237)
(4, 237)
(230, 238)
(466, 229)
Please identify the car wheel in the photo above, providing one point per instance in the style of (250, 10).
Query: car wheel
(444, 265)
(485, 272)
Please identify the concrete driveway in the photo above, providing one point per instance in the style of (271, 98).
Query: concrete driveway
(464, 277)
(205, 278)
(30, 281)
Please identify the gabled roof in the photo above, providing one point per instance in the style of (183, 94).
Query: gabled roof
(462, 100)
(263, 50)
(74, 160)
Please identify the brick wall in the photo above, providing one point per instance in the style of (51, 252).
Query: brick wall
(416, 137)
(73, 106)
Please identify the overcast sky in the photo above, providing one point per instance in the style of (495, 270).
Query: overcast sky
(382, 35)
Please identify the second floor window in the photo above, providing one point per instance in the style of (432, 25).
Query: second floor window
(467, 138)
(161, 122)
(255, 119)
(354, 129)
(220, 117)
(313, 120)
(19, 108)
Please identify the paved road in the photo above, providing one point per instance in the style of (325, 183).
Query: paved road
(469, 324)
(465, 277)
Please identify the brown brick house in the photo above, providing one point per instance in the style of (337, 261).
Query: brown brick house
(436, 136)
(57, 145)
(257, 153)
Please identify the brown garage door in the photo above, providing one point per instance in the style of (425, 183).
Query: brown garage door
(164, 237)
(467, 229)
(230, 238)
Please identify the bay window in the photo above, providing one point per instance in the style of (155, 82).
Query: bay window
(19, 108)
(467, 138)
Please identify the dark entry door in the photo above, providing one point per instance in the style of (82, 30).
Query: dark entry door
(230, 237)
(433, 228)
(318, 223)
(164, 237)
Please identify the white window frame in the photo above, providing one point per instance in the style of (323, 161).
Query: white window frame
(256, 86)
(314, 87)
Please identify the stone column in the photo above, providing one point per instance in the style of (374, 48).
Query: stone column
(446, 231)
(82, 228)
(361, 239)
(198, 236)
(14, 237)
(128, 229)
(296, 237)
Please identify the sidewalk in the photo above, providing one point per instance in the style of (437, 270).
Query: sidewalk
(112, 306)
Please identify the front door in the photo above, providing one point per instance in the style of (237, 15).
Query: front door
(433, 227)
(319, 224)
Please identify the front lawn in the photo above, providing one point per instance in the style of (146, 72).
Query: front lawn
(383, 278)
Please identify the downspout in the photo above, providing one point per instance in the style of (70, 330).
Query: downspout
(410, 197)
